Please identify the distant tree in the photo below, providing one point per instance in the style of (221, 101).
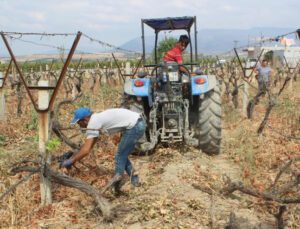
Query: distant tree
(163, 46)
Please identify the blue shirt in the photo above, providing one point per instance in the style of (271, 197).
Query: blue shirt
(263, 73)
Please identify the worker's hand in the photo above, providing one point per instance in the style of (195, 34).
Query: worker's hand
(66, 164)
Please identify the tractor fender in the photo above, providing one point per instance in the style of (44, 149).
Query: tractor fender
(143, 91)
(198, 89)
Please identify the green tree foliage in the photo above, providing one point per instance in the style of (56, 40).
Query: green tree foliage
(164, 46)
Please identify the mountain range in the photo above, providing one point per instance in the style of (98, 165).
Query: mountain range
(210, 42)
(214, 41)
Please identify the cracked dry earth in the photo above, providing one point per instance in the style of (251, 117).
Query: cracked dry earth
(180, 190)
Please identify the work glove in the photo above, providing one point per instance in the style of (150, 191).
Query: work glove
(66, 164)
(64, 160)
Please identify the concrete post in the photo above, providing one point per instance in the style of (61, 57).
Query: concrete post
(245, 98)
(74, 90)
(43, 101)
(127, 69)
(13, 71)
(223, 87)
(106, 74)
(2, 99)
(291, 71)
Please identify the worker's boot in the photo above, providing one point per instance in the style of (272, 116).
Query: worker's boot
(134, 179)
(116, 184)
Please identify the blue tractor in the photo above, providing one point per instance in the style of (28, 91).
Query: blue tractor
(178, 107)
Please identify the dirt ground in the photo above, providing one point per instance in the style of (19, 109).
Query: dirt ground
(180, 185)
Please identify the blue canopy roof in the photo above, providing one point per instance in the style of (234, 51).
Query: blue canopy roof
(170, 23)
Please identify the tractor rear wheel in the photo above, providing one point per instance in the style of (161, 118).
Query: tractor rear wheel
(209, 121)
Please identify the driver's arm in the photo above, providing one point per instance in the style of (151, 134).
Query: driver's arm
(184, 71)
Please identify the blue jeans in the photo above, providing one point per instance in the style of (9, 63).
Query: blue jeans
(126, 146)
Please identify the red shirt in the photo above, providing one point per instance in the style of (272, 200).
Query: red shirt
(174, 54)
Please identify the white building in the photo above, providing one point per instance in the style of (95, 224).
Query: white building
(289, 54)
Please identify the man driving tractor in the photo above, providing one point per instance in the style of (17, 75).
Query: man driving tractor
(175, 54)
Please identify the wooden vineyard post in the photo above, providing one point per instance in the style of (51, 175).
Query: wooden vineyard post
(43, 101)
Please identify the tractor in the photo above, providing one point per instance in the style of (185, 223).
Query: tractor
(178, 107)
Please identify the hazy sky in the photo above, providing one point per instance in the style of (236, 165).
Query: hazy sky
(117, 21)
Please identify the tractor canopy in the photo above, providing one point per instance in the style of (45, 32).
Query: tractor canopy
(174, 23)
(170, 23)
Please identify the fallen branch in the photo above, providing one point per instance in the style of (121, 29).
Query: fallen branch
(15, 185)
(68, 181)
(279, 217)
(239, 186)
(283, 135)
(283, 169)
(205, 189)
(289, 186)
(65, 180)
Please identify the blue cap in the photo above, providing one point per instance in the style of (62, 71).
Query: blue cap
(80, 113)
